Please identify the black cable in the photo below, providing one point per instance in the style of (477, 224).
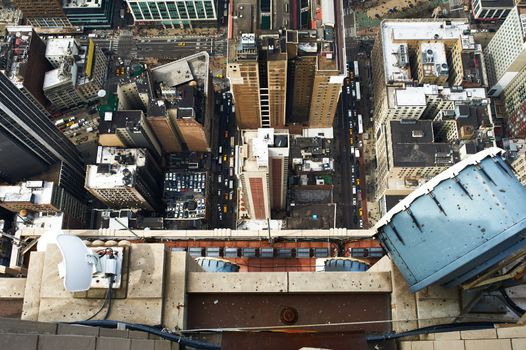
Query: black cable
(110, 292)
(151, 330)
(441, 328)
(519, 311)
(101, 307)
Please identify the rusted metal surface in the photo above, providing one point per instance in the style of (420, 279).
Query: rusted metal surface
(245, 310)
(11, 308)
(294, 341)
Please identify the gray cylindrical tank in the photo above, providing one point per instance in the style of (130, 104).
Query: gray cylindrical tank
(345, 264)
(217, 265)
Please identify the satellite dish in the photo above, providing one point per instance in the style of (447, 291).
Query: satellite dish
(78, 262)
(49, 237)
(101, 93)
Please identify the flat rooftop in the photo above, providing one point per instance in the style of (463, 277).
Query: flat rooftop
(54, 78)
(36, 192)
(413, 145)
(115, 167)
(396, 34)
(498, 3)
(61, 47)
(260, 144)
(85, 4)
(194, 67)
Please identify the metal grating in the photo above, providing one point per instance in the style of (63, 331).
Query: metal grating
(266, 252)
(321, 252)
(302, 252)
(249, 252)
(196, 251)
(213, 252)
(231, 253)
(285, 253)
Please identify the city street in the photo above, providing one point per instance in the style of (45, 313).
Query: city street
(128, 46)
(224, 184)
(350, 157)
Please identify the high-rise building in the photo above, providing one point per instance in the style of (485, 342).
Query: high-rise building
(506, 52)
(178, 13)
(178, 101)
(125, 179)
(445, 52)
(512, 105)
(128, 129)
(161, 120)
(79, 73)
(23, 61)
(44, 196)
(31, 144)
(60, 85)
(185, 88)
(283, 77)
(492, 10)
(89, 13)
(43, 13)
(264, 171)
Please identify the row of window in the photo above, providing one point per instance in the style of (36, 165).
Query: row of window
(179, 10)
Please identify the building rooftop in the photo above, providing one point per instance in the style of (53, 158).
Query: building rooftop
(119, 119)
(498, 3)
(396, 34)
(194, 67)
(61, 47)
(258, 145)
(34, 192)
(115, 167)
(88, 4)
(413, 145)
(63, 74)
(15, 52)
(434, 59)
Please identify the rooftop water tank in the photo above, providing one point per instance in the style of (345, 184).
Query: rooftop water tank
(459, 224)
(217, 265)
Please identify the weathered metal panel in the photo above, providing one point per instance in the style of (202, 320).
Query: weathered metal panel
(459, 224)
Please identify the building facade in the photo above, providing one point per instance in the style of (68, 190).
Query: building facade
(176, 13)
(264, 172)
(43, 13)
(506, 52)
(90, 13)
(29, 136)
(484, 10)
(125, 179)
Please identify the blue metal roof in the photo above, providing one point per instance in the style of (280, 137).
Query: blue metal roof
(459, 224)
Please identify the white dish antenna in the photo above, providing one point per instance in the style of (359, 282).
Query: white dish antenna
(78, 262)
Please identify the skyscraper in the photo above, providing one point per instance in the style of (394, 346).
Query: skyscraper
(264, 171)
(31, 144)
(281, 76)
(43, 13)
(506, 52)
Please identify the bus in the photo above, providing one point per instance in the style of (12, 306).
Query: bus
(360, 124)
(358, 93)
(356, 69)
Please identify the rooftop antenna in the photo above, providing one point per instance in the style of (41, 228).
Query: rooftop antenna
(80, 264)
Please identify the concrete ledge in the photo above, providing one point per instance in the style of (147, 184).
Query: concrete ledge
(215, 234)
(479, 334)
(240, 282)
(367, 282)
(18, 341)
(12, 288)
